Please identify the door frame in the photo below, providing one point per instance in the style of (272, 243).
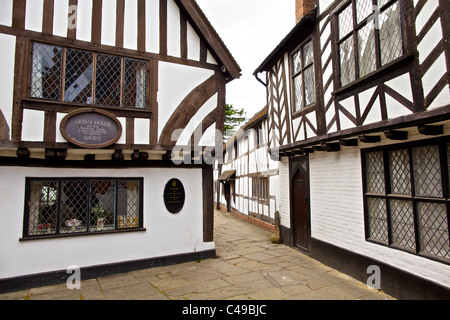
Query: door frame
(294, 164)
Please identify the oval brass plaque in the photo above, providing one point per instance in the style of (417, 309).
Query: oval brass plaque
(91, 128)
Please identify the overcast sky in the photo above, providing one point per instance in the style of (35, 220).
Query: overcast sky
(251, 29)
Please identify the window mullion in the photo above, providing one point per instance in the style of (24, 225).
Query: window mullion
(414, 201)
(94, 78)
(116, 204)
(88, 215)
(387, 190)
(58, 207)
(122, 79)
(63, 75)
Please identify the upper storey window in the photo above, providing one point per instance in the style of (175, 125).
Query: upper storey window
(370, 36)
(75, 76)
(303, 77)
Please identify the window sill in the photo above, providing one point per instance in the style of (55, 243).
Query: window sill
(303, 111)
(41, 102)
(73, 235)
(386, 69)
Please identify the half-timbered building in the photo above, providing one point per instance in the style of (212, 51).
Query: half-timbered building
(359, 117)
(246, 181)
(95, 96)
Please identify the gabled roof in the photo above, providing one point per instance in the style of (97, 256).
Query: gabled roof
(257, 117)
(202, 25)
(288, 42)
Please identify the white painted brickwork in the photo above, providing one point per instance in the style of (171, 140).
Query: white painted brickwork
(284, 193)
(337, 214)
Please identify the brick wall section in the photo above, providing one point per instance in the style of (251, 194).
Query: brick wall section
(302, 8)
(256, 222)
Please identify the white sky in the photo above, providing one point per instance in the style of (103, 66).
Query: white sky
(251, 29)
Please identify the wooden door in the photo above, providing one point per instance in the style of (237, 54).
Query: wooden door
(300, 207)
(227, 188)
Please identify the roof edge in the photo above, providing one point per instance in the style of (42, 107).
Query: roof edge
(307, 19)
(201, 22)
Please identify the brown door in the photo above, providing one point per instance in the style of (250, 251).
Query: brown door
(300, 208)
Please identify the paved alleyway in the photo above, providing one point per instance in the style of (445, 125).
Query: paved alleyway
(248, 267)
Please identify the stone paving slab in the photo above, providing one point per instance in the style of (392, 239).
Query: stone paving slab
(247, 267)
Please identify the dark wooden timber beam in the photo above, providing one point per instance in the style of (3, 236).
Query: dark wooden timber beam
(55, 154)
(349, 142)
(23, 153)
(118, 156)
(396, 135)
(331, 147)
(431, 130)
(369, 139)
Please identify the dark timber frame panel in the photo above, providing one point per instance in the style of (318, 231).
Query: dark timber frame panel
(227, 68)
(331, 114)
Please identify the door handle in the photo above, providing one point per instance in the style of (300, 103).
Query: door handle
(306, 199)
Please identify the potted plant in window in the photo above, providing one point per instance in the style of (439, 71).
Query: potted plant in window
(99, 211)
(45, 228)
(73, 224)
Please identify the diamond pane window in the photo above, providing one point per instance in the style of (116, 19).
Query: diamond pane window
(42, 218)
(413, 213)
(46, 72)
(375, 172)
(347, 61)
(366, 50)
(68, 75)
(390, 34)
(427, 171)
(77, 206)
(297, 62)
(310, 92)
(378, 227)
(345, 22)
(433, 229)
(400, 174)
(363, 9)
(79, 71)
(303, 79)
(135, 84)
(103, 204)
(108, 80)
(368, 39)
(307, 53)
(128, 210)
(298, 93)
(402, 221)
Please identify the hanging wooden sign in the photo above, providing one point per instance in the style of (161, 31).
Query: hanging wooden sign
(174, 196)
(91, 128)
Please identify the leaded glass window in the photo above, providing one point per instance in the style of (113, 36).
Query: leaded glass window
(370, 36)
(78, 76)
(406, 199)
(78, 206)
(47, 62)
(82, 77)
(303, 78)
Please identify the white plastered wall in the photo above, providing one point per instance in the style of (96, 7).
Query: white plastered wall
(166, 234)
(7, 58)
